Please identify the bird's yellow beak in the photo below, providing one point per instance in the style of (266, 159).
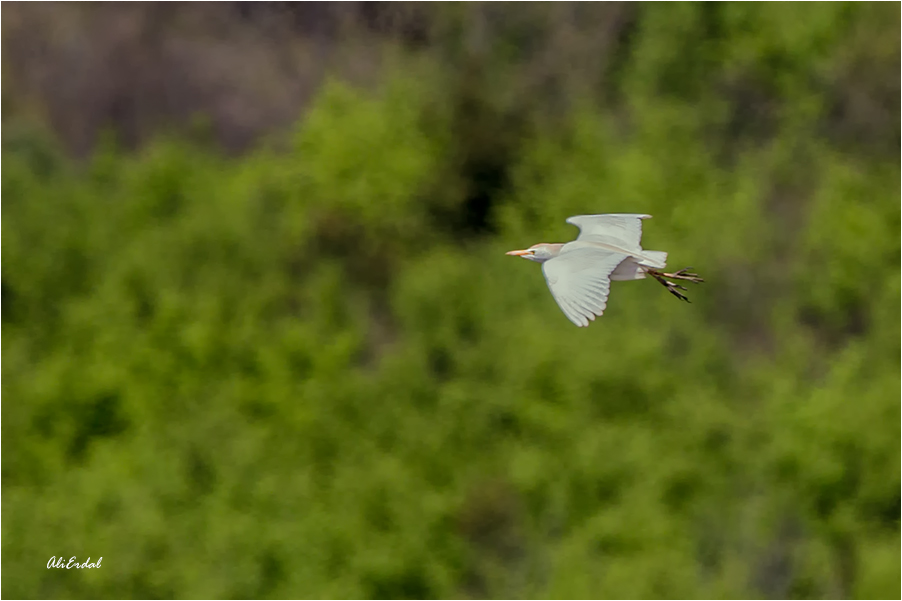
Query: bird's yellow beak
(519, 253)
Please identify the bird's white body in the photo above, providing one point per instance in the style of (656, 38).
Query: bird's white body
(579, 273)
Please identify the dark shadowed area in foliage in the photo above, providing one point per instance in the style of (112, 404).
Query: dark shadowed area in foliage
(260, 338)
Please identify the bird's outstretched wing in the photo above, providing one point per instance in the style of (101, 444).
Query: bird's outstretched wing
(623, 229)
(579, 281)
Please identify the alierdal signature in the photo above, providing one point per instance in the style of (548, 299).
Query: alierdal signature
(60, 562)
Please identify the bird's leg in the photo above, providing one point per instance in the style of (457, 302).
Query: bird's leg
(684, 274)
(672, 287)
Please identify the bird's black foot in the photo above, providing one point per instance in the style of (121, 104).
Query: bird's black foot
(672, 287)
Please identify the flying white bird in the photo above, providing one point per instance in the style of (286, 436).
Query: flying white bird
(579, 273)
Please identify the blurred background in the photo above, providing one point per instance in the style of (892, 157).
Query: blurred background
(260, 338)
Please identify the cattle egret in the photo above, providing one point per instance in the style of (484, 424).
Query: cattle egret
(579, 273)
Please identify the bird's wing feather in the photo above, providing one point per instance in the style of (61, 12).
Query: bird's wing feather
(579, 281)
(623, 228)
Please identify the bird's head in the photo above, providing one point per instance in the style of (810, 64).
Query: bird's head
(538, 252)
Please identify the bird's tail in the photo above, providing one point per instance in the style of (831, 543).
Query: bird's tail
(654, 258)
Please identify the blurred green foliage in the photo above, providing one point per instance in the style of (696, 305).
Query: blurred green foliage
(291, 374)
